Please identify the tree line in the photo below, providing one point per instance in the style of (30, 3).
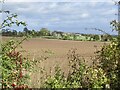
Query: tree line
(46, 33)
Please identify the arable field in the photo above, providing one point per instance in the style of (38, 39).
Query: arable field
(56, 51)
(60, 48)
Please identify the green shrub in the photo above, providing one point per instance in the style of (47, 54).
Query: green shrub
(109, 57)
(82, 76)
(13, 65)
(96, 78)
(56, 81)
(75, 78)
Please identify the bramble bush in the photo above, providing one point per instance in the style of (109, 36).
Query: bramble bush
(80, 75)
(109, 61)
(14, 66)
(75, 77)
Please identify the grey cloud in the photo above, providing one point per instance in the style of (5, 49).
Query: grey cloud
(57, 15)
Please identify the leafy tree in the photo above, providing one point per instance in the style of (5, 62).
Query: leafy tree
(14, 33)
(25, 30)
(44, 32)
(20, 34)
(96, 37)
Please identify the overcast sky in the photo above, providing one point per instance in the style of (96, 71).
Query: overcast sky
(67, 16)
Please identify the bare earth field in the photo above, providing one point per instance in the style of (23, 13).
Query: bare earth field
(59, 49)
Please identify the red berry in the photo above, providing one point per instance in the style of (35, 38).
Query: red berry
(13, 85)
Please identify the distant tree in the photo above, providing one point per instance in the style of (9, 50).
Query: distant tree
(20, 34)
(34, 33)
(25, 30)
(75, 37)
(14, 33)
(9, 32)
(44, 32)
(96, 37)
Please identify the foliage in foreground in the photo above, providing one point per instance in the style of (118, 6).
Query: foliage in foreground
(80, 75)
(109, 61)
(14, 66)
